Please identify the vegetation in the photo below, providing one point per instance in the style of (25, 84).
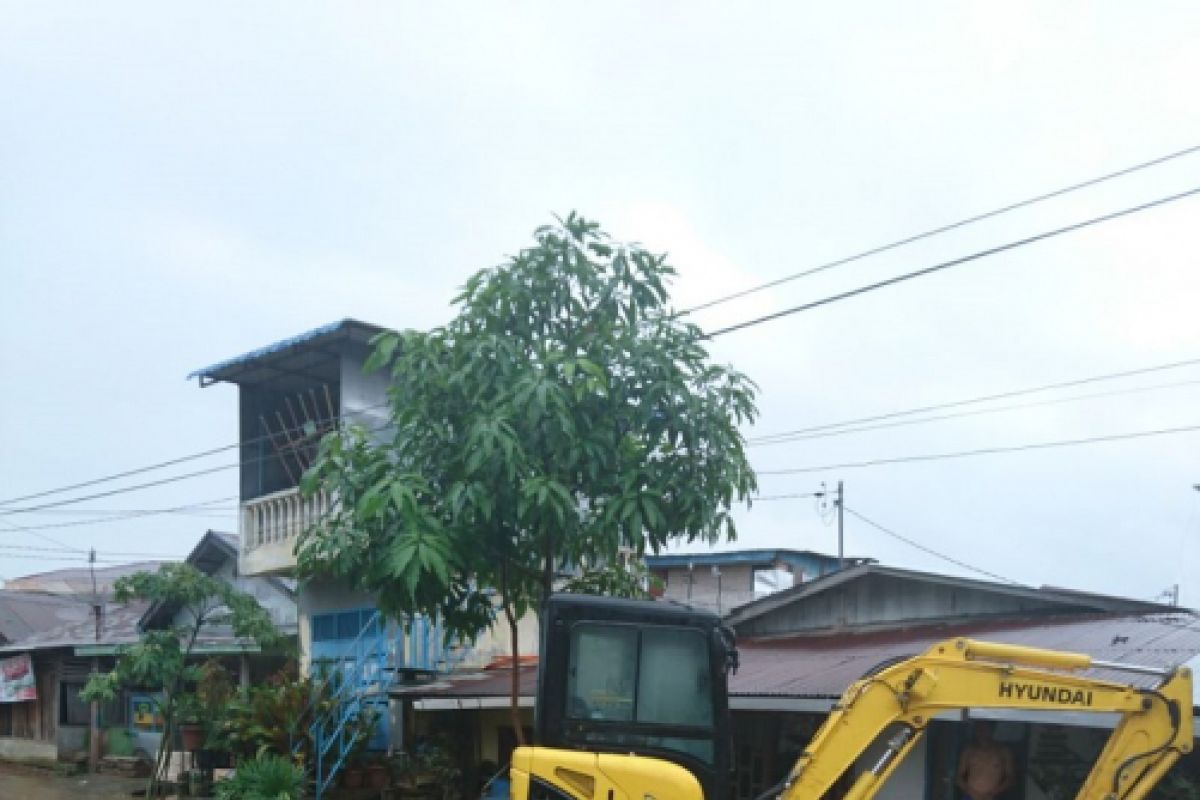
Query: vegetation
(564, 417)
(266, 777)
(162, 659)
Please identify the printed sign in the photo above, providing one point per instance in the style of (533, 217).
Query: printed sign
(16, 680)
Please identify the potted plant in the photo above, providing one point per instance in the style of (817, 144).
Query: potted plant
(377, 774)
(190, 714)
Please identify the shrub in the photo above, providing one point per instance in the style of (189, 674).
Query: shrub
(267, 777)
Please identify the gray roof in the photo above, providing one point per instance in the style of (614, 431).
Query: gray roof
(119, 626)
(24, 613)
(77, 581)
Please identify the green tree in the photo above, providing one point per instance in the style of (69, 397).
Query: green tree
(161, 659)
(563, 417)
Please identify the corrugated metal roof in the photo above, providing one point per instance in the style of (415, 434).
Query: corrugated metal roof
(1047, 595)
(77, 581)
(229, 368)
(119, 627)
(822, 667)
(24, 613)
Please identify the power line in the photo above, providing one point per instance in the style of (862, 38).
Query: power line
(920, 273)
(116, 518)
(1116, 437)
(838, 431)
(987, 398)
(31, 549)
(930, 550)
(799, 496)
(122, 490)
(201, 509)
(41, 536)
(942, 229)
(184, 459)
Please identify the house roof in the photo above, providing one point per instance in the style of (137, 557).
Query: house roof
(756, 558)
(119, 626)
(820, 668)
(24, 613)
(77, 581)
(214, 550)
(306, 355)
(1048, 596)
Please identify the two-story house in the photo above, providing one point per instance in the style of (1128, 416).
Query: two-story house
(291, 394)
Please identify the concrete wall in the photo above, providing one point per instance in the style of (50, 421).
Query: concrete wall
(72, 740)
(13, 749)
(362, 393)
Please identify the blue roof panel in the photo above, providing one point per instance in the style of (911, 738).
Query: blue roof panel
(214, 371)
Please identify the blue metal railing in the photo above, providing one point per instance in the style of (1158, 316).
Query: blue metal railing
(368, 668)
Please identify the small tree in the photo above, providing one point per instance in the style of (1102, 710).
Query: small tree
(160, 660)
(564, 417)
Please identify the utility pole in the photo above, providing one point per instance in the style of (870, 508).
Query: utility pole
(841, 504)
(94, 716)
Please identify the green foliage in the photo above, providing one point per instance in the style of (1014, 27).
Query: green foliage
(276, 716)
(267, 777)
(160, 659)
(564, 415)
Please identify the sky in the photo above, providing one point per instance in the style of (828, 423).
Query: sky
(181, 183)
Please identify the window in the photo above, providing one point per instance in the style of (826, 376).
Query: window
(673, 682)
(603, 673)
(648, 679)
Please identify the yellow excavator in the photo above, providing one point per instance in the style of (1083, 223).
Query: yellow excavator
(633, 704)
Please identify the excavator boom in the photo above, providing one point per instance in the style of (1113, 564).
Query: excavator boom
(1155, 725)
(633, 705)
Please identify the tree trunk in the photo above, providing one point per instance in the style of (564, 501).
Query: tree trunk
(515, 688)
(514, 698)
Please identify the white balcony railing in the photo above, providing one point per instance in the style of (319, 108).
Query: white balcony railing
(270, 525)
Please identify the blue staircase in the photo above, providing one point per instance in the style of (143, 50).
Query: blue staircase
(358, 679)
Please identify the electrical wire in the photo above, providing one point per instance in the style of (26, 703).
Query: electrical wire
(1116, 437)
(32, 549)
(929, 550)
(942, 229)
(184, 459)
(821, 434)
(920, 273)
(41, 536)
(800, 496)
(116, 518)
(987, 398)
(722, 331)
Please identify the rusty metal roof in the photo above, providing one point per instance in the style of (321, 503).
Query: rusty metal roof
(821, 667)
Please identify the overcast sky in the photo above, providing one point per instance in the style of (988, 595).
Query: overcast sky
(182, 183)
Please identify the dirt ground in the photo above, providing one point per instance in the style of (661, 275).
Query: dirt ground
(29, 785)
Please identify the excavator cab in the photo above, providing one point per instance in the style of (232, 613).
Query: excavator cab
(628, 677)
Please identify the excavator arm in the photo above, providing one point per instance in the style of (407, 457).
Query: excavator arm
(1155, 725)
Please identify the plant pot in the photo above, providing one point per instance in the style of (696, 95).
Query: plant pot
(352, 778)
(191, 737)
(377, 776)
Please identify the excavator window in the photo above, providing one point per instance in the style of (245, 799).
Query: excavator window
(622, 676)
(652, 675)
